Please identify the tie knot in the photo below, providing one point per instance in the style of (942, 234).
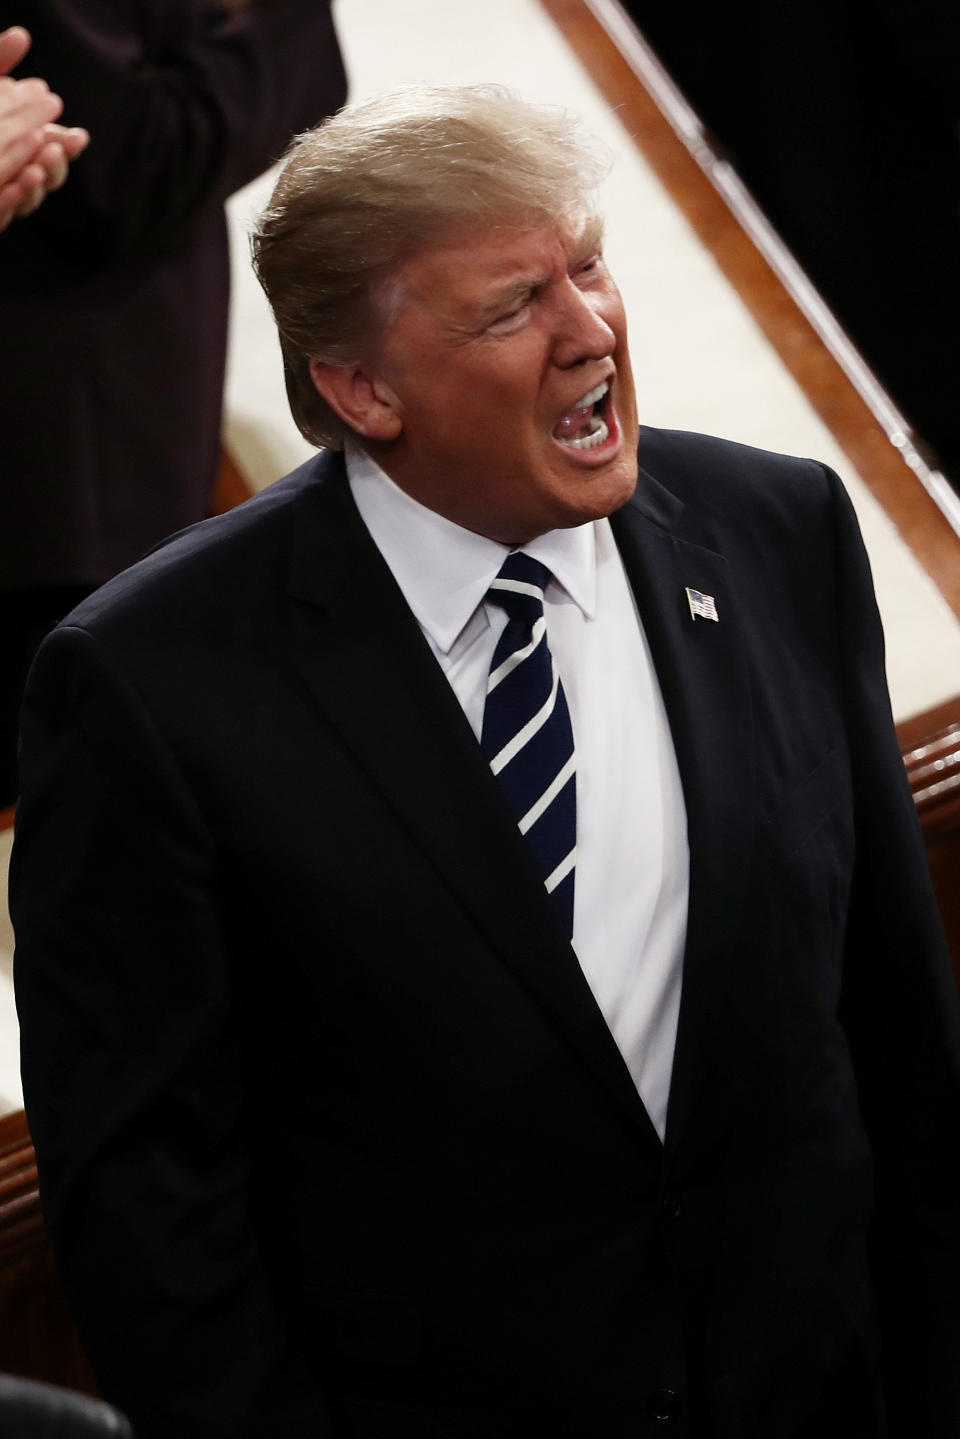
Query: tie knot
(519, 586)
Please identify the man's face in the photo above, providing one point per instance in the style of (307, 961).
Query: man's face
(507, 365)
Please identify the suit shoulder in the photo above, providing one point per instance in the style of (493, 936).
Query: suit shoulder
(754, 505)
(212, 568)
(717, 473)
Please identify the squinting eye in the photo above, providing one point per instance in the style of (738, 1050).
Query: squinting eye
(510, 318)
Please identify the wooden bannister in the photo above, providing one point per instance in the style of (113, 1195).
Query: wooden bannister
(930, 744)
(21, 1223)
(933, 766)
(37, 1337)
(231, 488)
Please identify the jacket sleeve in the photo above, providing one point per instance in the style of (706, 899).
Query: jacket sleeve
(134, 1019)
(183, 105)
(901, 1014)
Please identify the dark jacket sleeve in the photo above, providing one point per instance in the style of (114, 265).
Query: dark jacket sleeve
(137, 1078)
(901, 1014)
(183, 105)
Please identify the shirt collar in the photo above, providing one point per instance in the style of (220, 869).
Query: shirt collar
(444, 570)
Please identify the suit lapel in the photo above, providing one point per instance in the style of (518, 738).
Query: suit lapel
(702, 673)
(361, 652)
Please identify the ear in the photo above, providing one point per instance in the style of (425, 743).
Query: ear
(361, 401)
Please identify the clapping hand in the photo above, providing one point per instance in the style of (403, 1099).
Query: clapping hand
(35, 152)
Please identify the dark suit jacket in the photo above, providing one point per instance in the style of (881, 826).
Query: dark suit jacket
(113, 296)
(330, 1129)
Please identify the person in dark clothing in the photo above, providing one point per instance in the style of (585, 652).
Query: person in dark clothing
(117, 289)
(476, 961)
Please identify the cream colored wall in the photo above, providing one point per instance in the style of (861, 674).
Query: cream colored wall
(700, 362)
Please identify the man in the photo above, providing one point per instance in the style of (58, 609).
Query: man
(477, 968)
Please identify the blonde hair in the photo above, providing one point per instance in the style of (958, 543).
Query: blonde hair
(384, 179)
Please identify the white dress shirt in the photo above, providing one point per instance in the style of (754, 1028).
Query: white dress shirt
(631, 885)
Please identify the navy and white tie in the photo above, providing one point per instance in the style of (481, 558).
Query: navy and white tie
(526, 732)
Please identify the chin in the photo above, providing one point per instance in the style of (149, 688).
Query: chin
(608, 492)
(597, 506)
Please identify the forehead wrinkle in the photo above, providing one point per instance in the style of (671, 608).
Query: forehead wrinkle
(514, 290)
(465, 311)
(586, 243)
(476, 309)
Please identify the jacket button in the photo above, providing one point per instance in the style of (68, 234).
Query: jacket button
(671, 1206)
(664, 1405)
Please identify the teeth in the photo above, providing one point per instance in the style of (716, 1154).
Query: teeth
(569, 421)
(591, 441)
(592, 396)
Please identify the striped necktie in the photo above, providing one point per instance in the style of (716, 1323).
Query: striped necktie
(526, 732)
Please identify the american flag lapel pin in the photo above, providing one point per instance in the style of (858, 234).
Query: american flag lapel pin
(702, 607)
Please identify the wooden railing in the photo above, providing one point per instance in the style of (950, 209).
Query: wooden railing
(931, 752)
(37, 1337)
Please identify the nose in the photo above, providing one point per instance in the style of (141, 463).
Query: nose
(582, 333)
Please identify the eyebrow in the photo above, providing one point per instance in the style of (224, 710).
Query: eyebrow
(591, 238)
(587, 244)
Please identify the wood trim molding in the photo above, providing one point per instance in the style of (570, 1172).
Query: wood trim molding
(930, 744)
(838, 384)
(21, 1220)
(231, 488)
(931, 752)
(37, 1336)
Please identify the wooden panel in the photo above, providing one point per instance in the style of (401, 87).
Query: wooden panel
(930, 743)
(931, 752)
(21, 1223)
(37, 1337)
(231, 488)
(934, 769)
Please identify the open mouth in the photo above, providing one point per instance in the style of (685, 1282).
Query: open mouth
(583, 426)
